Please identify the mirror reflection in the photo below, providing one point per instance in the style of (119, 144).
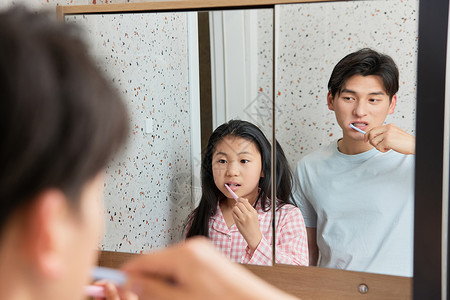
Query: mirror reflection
(238, 153)
(235, 207)
(149, 187)
(357, 201)
(155, 61)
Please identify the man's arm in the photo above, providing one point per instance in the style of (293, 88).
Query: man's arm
(312, 246)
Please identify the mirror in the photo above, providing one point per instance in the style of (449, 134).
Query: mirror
(149, 187)
(311, 39)
(125, 50)
(154, 60)
(310, 283)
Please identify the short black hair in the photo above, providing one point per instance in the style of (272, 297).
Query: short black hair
(60, 119)
(365, 62)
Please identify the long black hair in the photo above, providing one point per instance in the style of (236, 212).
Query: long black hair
(198, 220)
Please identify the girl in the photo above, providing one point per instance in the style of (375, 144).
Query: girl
(239, 155)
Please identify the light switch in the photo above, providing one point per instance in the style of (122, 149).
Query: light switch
(148, 125)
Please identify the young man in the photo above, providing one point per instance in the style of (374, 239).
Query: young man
(356, 195)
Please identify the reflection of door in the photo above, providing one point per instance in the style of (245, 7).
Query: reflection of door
(233, 64)
(194, 100)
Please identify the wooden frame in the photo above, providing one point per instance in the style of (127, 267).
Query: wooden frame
(319, 283)
(184, 5)
(428, 255)
(310, 282)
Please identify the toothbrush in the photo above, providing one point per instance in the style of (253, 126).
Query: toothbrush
(231, 192)
(356, 128)
(115, 276)
(112, 275)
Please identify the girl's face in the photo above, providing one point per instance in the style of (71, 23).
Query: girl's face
(237, 162)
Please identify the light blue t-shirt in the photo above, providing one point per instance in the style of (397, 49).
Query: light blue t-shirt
(362, 206)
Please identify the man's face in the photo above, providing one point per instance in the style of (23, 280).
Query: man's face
(362, 101)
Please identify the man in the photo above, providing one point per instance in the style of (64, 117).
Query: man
(356, 195)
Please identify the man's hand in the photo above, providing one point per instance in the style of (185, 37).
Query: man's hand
(388, 137)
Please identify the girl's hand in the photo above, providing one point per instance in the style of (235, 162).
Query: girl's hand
(114, 293)
(246, 220)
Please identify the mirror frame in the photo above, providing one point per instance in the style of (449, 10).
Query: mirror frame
(430, 279)
(431, 185)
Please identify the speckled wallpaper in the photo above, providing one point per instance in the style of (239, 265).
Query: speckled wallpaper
(265, 73)
(312, 38)
(148, 188)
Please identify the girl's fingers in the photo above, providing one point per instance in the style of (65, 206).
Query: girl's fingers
(243, 208)
(167, 263)
(111, 291)
(236, 214)
(243, 203)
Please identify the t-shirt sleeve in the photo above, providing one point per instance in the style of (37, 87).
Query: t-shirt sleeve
(300, 196)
